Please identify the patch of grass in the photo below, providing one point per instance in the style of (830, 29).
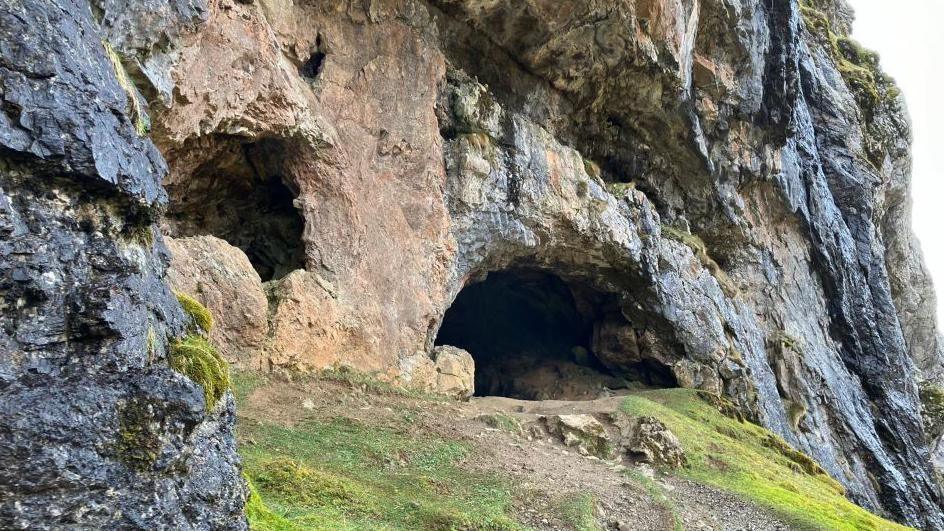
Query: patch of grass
(243, 383)
(369, 383)
(194, 357)
(748, 460)
(142, 123)
(340, 474)
(198, 313)
(578, 511)
(502, 422)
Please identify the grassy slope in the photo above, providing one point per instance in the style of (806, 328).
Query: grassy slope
(745, 459)
(339, 474)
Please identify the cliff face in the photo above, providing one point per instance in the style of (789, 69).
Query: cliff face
(721, 186)
(96, 431)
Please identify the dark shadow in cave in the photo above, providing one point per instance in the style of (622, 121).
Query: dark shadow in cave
(533, 336)
(241, 195)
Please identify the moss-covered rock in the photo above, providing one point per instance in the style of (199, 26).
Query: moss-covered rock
(194, 357)
(138, 444)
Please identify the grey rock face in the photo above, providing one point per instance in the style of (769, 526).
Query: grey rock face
(95, 430)
(747, 136)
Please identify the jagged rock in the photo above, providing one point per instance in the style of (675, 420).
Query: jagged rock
(648, 440)
(455, 372)
(704, 176)
(96, 431)
(583, 432)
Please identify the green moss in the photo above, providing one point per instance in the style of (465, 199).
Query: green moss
(748, 460)
(932, 407)
(137, 445)
(198, 313)
(858, 66)
(194, 357)
(142, 123)
(620, 189)
(343, 475)
(592, 169)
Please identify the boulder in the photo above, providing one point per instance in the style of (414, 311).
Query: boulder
(648, 440)
(220, 276)
(449, 371)
(582, 432)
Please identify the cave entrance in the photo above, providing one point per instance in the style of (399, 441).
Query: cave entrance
(242, 194)
(535, 336)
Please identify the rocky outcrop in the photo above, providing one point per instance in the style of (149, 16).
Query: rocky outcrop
(725, 181)
(720, 185)
(96, 431)
(648, 440)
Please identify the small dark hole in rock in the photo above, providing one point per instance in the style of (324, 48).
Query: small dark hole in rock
(313, 66)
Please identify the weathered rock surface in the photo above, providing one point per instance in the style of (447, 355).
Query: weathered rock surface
(584, 433)
(450, 371)
(722, 184)
(712, 177)
(222, 279)
(648, 440)
(96, 432)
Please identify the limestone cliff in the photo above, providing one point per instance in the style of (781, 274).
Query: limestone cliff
(718, 190)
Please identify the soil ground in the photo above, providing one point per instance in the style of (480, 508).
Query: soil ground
(544, 471)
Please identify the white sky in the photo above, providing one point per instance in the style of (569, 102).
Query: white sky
(909, 37)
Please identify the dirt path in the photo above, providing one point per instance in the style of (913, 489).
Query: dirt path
(545, 471)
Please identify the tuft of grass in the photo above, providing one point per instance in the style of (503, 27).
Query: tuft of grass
(198, 313)
(194, 357)
(340, 474)
(750, 461)
(502, 422)
(142, 123)
(578, 511)
(369, 383)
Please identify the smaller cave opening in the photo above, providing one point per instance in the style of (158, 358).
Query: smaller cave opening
(312, 67)
(535, 336)
(242, 194)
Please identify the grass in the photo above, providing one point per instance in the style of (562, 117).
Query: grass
(142, 123)
(339, 474)
(194, 357)
(578, 511)
(501, 421)
(750, 461)
(657, 493)
(369, 383)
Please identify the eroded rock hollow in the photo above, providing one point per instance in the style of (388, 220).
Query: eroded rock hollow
(709, 194)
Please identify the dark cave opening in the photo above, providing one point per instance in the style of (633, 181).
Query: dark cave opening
(241, 195)
(534, 336)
